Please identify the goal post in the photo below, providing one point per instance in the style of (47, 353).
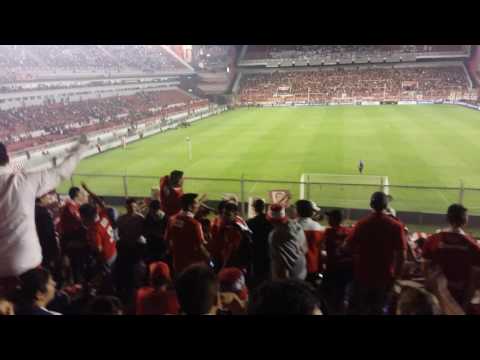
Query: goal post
(340, 189)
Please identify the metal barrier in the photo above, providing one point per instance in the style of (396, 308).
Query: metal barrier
(426, 199)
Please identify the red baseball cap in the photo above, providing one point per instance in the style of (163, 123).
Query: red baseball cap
(233, 280)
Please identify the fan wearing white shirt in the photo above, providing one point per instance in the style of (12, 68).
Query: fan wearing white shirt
(20, 249)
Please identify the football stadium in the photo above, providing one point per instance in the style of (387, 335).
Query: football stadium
(346, 173)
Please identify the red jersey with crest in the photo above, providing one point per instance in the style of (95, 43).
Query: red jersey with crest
(70, 221)
(456, 253)
(100, 237)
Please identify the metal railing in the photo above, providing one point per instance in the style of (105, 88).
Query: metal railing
(417, 198)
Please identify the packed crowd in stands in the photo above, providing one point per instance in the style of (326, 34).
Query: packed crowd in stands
(172, 254)
(308, 51)
(376, 83)
(25, 127)
(23, 62)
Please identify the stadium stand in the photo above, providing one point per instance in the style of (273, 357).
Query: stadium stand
(360, 83)
(24, 62)
(326, 52)
(24, 127)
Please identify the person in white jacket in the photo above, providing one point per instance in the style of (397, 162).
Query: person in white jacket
(20, 249)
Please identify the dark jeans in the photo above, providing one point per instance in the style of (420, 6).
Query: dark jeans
(335, 289)
(79, 258)
(367, 300)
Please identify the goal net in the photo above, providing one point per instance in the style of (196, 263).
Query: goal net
(337, 190)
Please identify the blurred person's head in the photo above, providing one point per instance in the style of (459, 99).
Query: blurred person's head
(291, 212)
(190, 203)
(457, 215)
(176, 178)
(4, 157)
(154, 206)
(88, 214)
(43, 200)
(105, 305)
(203, 211)
(131, 206)
(221, 207)
(305, 208)
(231, 211)
(284, 297)
(37, 287)
(159, 274)
(379, 201)
(416, 301)
(335, 218)
(6, 307)
(259, 206)
(197, 290)
(233, 280)
(78, 195)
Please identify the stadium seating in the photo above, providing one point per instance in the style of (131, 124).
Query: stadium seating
(35, 125)
(325, 51)
(21, 62)
(364, 83)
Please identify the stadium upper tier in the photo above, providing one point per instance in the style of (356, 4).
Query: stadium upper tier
(367, 83)
(27, 62)
(25, 127)
(331, 54)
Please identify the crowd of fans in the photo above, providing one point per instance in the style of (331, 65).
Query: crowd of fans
(360, 83)
(172, 254)
(22, 62)
(29, 126)
(341, 51)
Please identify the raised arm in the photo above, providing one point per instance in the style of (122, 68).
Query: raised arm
(94, 196)
(47, 180)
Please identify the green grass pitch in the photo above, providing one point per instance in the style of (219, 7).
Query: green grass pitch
(426, 145)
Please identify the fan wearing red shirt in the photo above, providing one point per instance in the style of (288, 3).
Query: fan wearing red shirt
(339, 273)
(159, 298)
(171, 192)
(232, 241)
(70, 222)
(379, 248)
(456, 254)
(216, 222)
(314, 235)
(72, 234)
(185, 236)
(99, 234)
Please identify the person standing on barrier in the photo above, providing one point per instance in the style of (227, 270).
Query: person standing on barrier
(171, 191)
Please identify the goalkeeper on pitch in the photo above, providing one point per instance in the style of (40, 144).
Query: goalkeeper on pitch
(361, 166)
